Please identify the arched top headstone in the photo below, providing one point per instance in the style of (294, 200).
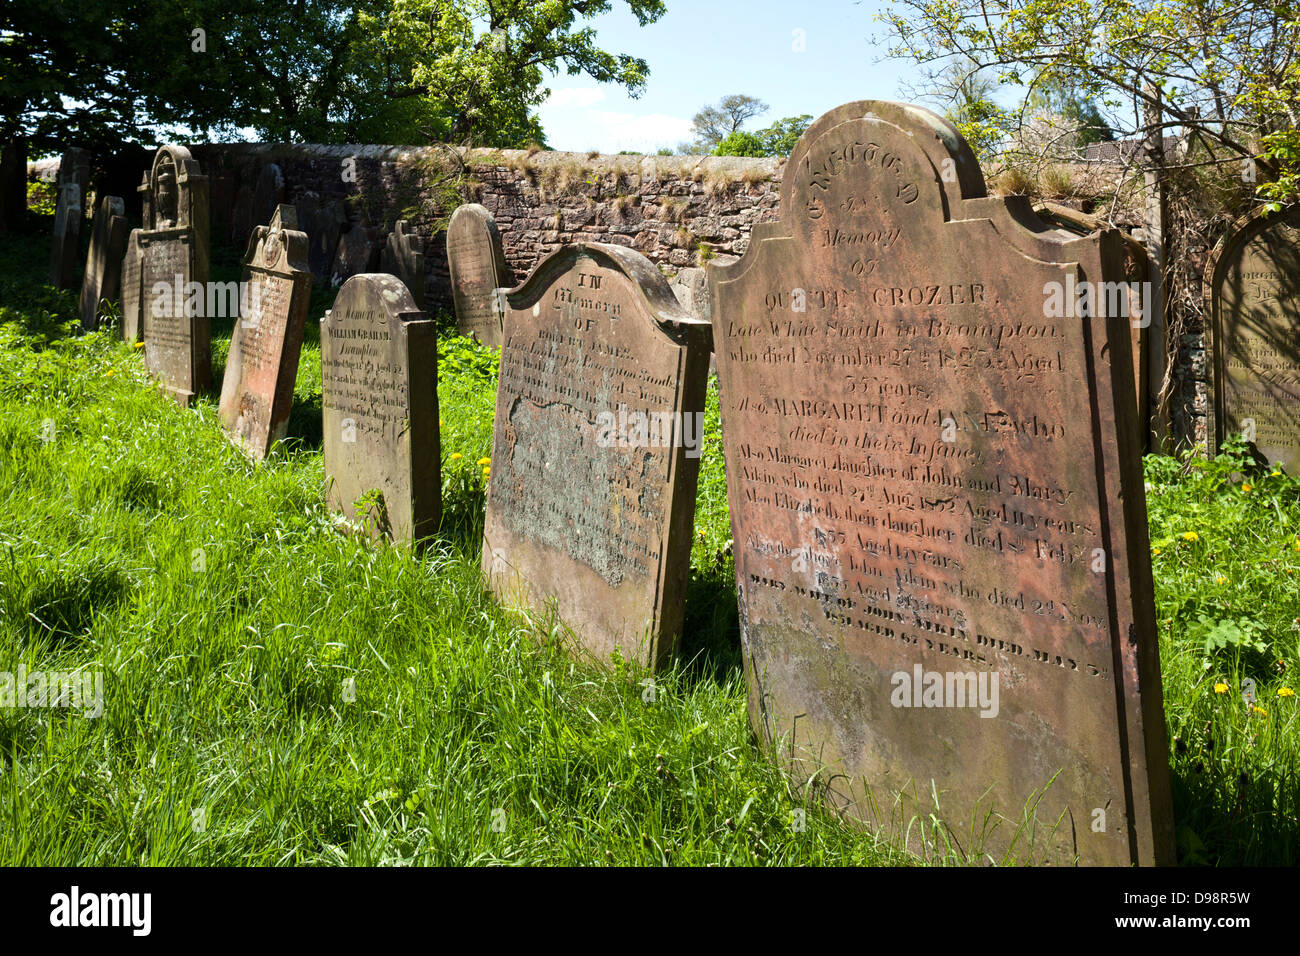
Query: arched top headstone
(170, 185)
(933, 472)
(477, 263)
(1252, 300)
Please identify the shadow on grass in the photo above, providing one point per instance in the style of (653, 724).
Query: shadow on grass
(1227, 819)
(59, 604)
(710, 646)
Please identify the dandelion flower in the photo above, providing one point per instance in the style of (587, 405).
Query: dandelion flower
(1191, 536)
(1285, 692)
(456, 456)
(1155, 551)
(485, 461)
(1276, 474)
(1247, 487)
(138, 345)
(1220, 688)
(1259, 710)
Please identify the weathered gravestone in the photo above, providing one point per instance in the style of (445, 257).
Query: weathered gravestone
(936, 500)
(595, 454)
(322, 222)
(478, 266)
(132, 322)
(1252, 298)
(241, 216)
(268, 194)
(103, 276)
(403, 256)
(257, 390)
(65, 248)
(174, 274)
(379, 369)
(72, 182)
(358, 253)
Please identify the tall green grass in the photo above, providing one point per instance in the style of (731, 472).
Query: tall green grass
(277, 693)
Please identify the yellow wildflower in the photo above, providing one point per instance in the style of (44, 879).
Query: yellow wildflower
(1259, 710)
(138, 345)
(1246, 487)
(456, 456)
(1276, 474)
(1285, 692)
(1220, 688)
(1191, 536)
(1220, 580)
(485, 461)
(1155, 551)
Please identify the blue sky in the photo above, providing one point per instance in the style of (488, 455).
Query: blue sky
(702, 50)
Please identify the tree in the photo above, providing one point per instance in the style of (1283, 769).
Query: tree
(1222, 71)
(779, 139)
(712, 124)
(740, 143)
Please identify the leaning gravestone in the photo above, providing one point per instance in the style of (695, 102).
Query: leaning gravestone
(1252, 297)
(322, 222)
(595, 451)
(478, 267)
(936, 501)
(379, 392)
(257, 390)
(403, 256)
(174, 274)
(73, 183)
(66, 246)
(103, 275)
(132, 324)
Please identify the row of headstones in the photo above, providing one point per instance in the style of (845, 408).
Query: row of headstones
(933, 474)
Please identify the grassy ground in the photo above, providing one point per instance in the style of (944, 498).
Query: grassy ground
(229, 619)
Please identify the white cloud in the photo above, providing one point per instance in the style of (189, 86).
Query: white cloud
(579, 96)
(616, 131)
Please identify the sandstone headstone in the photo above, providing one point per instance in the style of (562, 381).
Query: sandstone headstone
(358, 252)
(1252, 299)
(268, 195)
(322, 222)
(132, 296)
(241, 216)
(403, 256)
(379, 369)
(934, 482)
(66, 246)
(103, 276)
(478, 267)
(591, 500)
(257, 390)
(174, 274)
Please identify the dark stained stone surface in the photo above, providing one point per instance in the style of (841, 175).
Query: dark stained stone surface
(928, 472)
(268, 194)
(257, 390)
(594, 520)
(478, 266)
(103, 276)
(379, 369)
(241, 216)
(322, 222)
(132, 323)
(403, 256)
(174, 274)
(1252, 300)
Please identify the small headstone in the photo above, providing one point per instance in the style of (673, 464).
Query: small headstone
(403, 256)
(478, 267)
(379, 394)
(595, 455)
(174, 274)
(322, 223)
(268, 195)
(132, 294)
(241, 216)
(1252, 299)
(936, 496)
(66, 246)
(358, 252)
(691, 286)
(103, 275)
(257, 390)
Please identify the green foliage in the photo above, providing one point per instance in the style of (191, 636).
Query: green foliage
(42, 198)
(780, 138)
(740, 143)
(712, 124)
